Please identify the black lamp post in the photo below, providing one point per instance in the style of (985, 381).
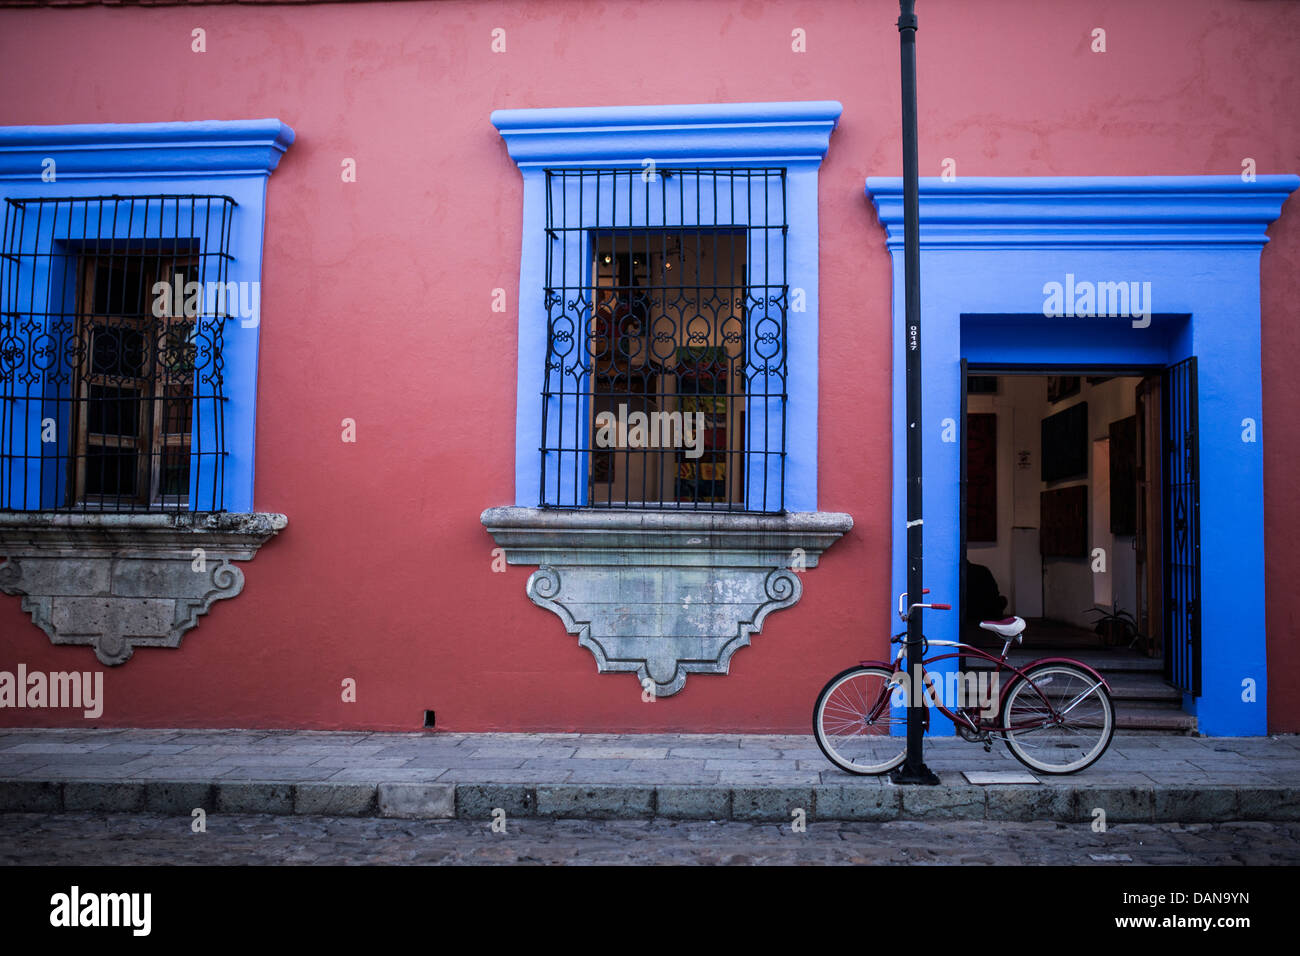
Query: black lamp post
(913, 769)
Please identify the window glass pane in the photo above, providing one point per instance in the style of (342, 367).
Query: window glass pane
(176, 352)
(176, 404)
(120, 286)
(117, 350)
(175, 470)
(111, 471)
(113, 411)
(666, 347)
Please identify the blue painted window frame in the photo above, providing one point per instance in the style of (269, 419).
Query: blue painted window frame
(214, 158)
(790, 135)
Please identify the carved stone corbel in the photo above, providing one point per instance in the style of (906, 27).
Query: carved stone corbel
(121, 581)
(663, 594)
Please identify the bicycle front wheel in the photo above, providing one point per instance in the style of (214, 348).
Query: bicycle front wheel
(1059, 720)
(845, 730)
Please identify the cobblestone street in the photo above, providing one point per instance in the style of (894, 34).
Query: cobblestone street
(95, 838)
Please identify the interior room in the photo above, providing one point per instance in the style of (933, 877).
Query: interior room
(1054, 508)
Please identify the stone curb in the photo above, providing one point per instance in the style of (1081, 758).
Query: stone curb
(417, 801)
(753, 803)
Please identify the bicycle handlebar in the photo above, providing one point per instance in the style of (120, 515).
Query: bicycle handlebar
(902, 600)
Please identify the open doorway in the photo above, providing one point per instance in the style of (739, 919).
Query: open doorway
(1058, 511)
(1079, 514)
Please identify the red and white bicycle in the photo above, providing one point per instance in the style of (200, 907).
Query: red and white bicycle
(1054, 714)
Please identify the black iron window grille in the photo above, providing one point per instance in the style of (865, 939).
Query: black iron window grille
(113, 313)
(665, 373)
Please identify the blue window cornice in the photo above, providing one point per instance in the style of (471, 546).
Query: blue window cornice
(173, 150)
(1110, 211)
(701, 134)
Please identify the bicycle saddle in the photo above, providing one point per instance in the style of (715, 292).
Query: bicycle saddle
(1008, 627)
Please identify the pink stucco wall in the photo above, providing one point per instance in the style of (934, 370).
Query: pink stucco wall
(376, 306)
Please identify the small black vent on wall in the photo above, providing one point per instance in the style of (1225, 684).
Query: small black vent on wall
(428, 720)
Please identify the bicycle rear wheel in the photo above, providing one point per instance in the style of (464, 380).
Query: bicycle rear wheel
(1079, 733)
(840, 722)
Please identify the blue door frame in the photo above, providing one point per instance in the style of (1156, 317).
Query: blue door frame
(992, 251)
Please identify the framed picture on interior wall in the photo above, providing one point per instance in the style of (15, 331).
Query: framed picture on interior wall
(1065, 444)
(1063, 522)
(702, 384)
(981, 384)
(1123, 476)
(1062, 386)
(981, 477)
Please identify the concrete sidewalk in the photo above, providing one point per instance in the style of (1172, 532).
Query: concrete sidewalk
(1147, 778)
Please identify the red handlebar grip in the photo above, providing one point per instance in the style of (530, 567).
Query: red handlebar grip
(925, 590)
(941, 607)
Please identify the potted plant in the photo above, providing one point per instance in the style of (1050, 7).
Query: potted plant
(1115, 626)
